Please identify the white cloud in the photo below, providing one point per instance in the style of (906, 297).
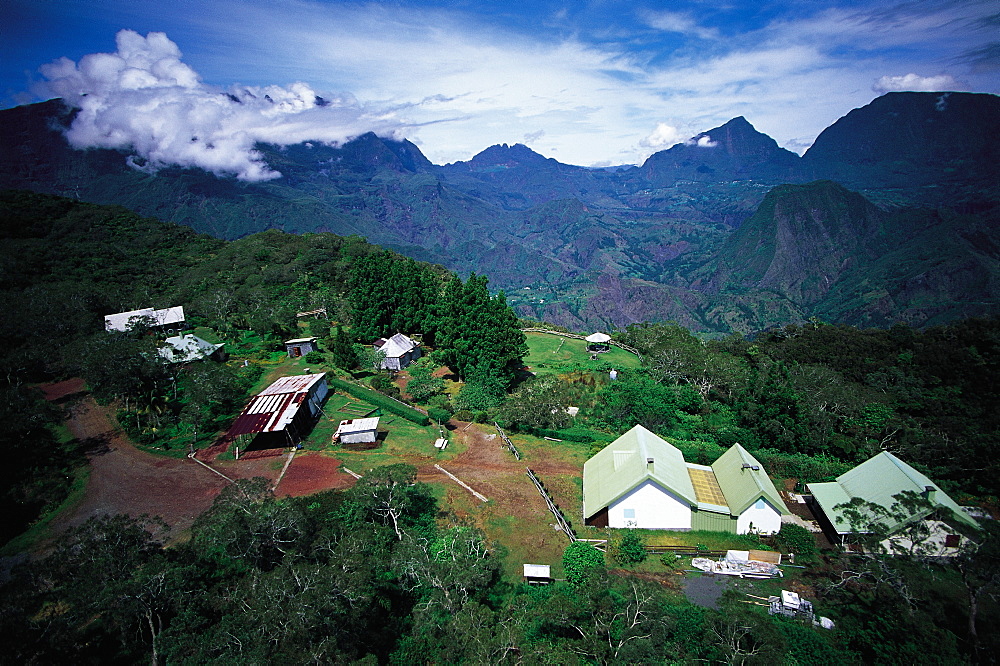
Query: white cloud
(680, 23)
(144, 99)
(916, 83)
(664, 136)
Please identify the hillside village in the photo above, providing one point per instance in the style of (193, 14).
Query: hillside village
(324, 408)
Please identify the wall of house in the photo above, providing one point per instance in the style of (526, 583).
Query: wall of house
(356, 437)
(764, 518)
(316, 396)
(650, 506)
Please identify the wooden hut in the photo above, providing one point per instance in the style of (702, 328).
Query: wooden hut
(300, 346)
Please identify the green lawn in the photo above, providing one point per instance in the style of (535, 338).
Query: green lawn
(555, 354)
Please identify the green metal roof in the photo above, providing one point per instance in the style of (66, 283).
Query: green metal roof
(742, 484)
(878, 480)
(622, 465)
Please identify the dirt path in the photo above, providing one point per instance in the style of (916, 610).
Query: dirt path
(124, 479)
(517, 512)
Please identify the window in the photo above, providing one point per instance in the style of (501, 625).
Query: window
(628, 513)
(760, 504)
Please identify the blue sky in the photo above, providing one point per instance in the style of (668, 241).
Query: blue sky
(586, 82)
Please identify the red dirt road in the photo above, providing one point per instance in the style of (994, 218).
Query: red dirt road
(311, 473)
(124, 479)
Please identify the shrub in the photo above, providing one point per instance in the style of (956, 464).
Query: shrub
(438, 414)
(580, 560)
(630, 549)
(797, 539)
(314, 357)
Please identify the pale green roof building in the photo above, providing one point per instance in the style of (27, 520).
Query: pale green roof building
(878, 480)
(641, 480)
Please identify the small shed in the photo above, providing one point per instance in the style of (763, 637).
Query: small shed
(399, 350)
(353, 431)
(187, 348)
(300, 346)
(598, 342)
(537, 574)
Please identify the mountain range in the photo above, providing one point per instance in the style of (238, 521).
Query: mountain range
(889, 216)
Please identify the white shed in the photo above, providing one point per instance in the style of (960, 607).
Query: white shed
(353, 431)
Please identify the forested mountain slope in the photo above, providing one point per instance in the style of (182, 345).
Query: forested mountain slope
(602, 248)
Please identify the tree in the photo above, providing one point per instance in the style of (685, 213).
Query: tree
(637, 399)
(391, 496)
(539, 402)
(344, 354)
(446, 571)
(978, 562)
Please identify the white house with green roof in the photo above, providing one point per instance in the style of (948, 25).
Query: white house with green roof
(641, 480)
(879, 480)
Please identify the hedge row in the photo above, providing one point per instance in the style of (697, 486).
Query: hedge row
(569, 435)
(380, 401)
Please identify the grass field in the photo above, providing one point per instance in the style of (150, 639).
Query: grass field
(554, 354)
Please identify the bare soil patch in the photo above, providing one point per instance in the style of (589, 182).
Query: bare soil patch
(311, 473)
(124, 479)
(517, 512)
(58, 391)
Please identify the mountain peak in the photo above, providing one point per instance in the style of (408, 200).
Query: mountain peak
(734, 150)
(502, 154)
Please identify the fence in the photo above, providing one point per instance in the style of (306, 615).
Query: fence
(575, 336)
(561, 521)
(506, 440)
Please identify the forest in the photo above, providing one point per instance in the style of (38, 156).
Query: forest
(382, 572)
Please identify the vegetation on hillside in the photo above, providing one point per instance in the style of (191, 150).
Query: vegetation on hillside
(382, 573)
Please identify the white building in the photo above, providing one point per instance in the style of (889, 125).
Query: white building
(641, 480)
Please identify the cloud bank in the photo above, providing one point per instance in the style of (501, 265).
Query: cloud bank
(913, 82)
(143, 98)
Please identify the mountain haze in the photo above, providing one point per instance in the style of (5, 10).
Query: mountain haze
(726, 231)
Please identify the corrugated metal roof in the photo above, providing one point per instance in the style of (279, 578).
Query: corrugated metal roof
(275, 407)
(293, 384)
(298, 340)
(622, 465)
(358, 425)
(120, 321)
(397, 345)
(183, 348)
(742, 484)
(537, 571)
(878, 480)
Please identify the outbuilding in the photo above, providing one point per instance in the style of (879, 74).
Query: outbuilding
(881, 481)
(282, 414)
(300, 346)
(537, 574)
(188, 348)
(399, 351)
(168, 320)
(355, 431)
(598, 342)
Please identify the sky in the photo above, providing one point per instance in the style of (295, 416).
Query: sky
(587, 82)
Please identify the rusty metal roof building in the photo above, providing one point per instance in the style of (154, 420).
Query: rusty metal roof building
(279, 407)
